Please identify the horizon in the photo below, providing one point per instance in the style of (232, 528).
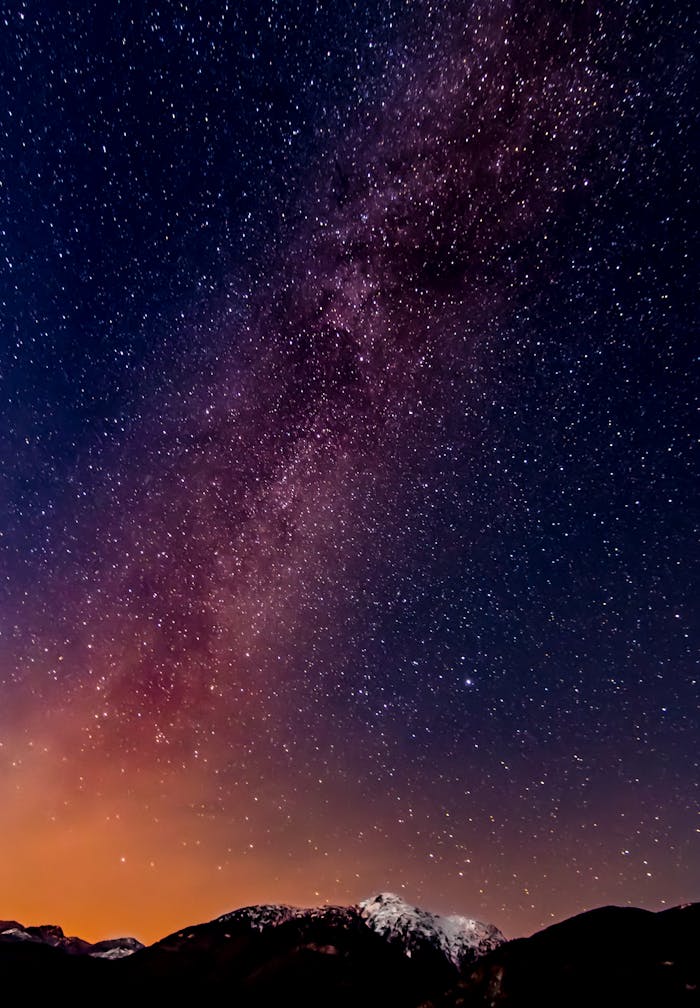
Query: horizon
(152, 938)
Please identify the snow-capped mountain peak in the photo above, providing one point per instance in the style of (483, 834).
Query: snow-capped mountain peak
(458, 938)
(50, 934)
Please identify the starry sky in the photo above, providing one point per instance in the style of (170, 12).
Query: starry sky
(347, 486)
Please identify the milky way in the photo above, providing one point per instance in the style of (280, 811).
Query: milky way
(349, 497)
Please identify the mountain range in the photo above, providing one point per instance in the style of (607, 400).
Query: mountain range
(381, 952)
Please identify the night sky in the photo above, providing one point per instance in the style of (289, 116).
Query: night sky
(347, 487)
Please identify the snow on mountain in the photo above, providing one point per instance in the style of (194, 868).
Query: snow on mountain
(14, 931)
(51, 934)
(114, 953)
(460, 939)
(267, 915)
(114, 948)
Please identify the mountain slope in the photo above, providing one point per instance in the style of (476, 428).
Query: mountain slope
(52, 935)
(381, 953)
(611, 957)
